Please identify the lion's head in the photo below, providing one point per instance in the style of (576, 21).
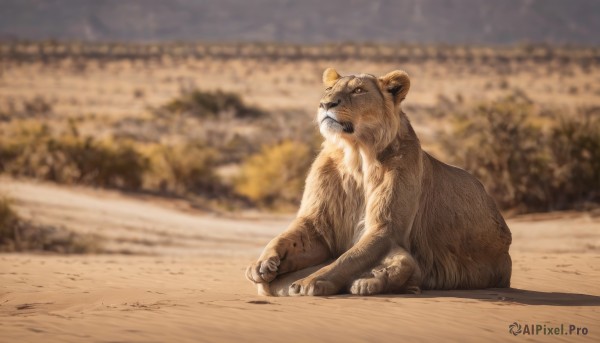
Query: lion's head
(361, 108)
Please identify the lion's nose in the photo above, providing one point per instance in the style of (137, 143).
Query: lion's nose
(331, 104)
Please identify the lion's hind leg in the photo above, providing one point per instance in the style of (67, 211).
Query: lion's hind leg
(397, 273)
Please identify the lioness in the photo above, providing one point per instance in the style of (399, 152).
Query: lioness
(391, 217)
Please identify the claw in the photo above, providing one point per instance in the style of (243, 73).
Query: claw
(294, 289)
(312, 287)
(269, 265)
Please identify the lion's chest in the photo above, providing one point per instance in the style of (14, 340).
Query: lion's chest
(352, 221)
(358, 171)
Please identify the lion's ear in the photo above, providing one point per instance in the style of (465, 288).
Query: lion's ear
(396, 83)
(330, 76)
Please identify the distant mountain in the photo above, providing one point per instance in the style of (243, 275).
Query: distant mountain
(305, 21)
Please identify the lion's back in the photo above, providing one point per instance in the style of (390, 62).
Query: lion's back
(459, 236)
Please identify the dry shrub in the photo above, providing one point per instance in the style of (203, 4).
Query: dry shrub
(30, 237)
(574, 144)
(274, 177)
(8, 220)
(18, 235)
(31, 149)
(184, 168)
(37, 106)
(203, 104)
(527, 160)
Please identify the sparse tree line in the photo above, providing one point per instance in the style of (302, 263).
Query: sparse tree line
(26, 51)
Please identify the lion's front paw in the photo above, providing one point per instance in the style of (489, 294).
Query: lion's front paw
(367, 286)
(264, 270)
(313, 286)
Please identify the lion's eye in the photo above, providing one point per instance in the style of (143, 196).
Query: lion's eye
(358, 90)
(328, 89)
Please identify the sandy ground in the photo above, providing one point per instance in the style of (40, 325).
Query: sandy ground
(190, 286)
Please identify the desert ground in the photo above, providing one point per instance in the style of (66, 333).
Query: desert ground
(184, 281)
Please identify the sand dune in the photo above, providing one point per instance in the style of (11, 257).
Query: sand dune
(192, 287)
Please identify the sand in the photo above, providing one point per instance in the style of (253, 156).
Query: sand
(190, 285)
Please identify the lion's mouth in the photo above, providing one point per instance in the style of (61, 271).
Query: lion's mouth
(347, 127)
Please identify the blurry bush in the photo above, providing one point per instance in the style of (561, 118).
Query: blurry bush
(8, 221)
(529, 160)
(574, 144)
(19, 235)
(275, 176)
(184, 168)
(31, 149)
(204, 104)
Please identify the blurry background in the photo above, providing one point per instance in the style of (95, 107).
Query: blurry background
(208, 107)
(309, 21)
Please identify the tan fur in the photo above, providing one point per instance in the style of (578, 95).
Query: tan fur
(390, 217)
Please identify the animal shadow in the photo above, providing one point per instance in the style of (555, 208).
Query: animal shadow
(518, 296)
